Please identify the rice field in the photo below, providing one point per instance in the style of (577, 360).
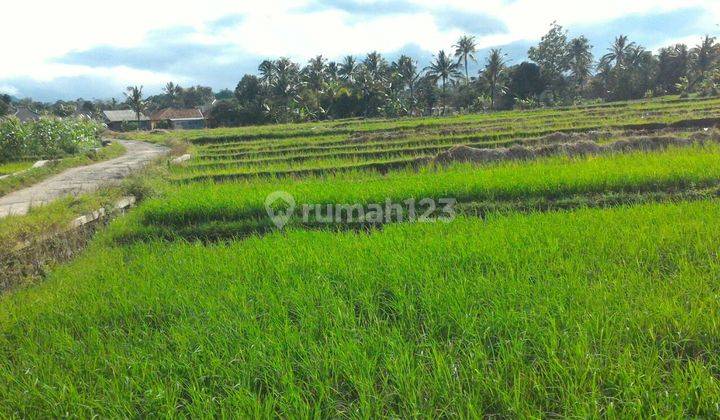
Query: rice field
(566, 285)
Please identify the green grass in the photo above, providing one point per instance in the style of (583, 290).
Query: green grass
(52, 217)
(12, 167)
(594, 312)
(35, 175)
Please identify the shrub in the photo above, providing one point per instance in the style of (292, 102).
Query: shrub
(47, 138)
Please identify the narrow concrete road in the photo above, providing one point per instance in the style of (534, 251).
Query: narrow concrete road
(82, 179)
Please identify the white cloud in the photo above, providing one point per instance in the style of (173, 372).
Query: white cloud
(8, 89)
(272, 28)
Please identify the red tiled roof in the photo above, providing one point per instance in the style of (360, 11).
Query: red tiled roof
(176, 114)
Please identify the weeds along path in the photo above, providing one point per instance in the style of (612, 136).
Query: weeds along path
(81, 179)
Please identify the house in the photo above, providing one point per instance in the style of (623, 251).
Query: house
(179, 119)
(126, 119)
(25, 114)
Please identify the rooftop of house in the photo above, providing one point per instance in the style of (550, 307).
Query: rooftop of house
(177, 114)
(123, 115)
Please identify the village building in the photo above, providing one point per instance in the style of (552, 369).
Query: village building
(178, 119)
(121, 120)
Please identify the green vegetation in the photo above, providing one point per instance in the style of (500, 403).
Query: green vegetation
(238, 208)
(13, 167)
(518, 319)
(568, 286)
(53, 217)
(46, 138)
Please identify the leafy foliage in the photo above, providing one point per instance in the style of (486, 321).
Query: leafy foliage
(46, 138)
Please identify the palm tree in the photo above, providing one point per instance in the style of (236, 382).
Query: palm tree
(704, 56)
(371, 87)
(464, 49)
(375, 64)
(348, 68)
(444, 69)
(267, 72)
(172, 90)
(493, 73)
(618, 52)
(407, 73)
(315, 72)
(134, 98)
(332, 71)
(580, 57)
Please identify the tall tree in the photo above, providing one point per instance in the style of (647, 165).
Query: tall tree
(443, 68)
(673, 64)
(376, 64)
(580, 60)
(465, 49)
(551, 55)
(315, 73)
(525, 81)
(408, 74)
(704, 57)
(618, 52)
(332, 71)
(348, 68)
(267, 72)
(171, 92)
(493, 73)
(134, 99)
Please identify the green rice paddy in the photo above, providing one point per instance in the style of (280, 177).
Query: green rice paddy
(578, 286)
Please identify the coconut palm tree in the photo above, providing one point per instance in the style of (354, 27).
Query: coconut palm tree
(171, 91)
(443, 68)
(332, 71)
(580, 58)
(134, 98)
(407, 72)
(704, 56)
(348, 68)
(464, 49)
(376, 64)
(493, 73)
(267, 72)
(315, 72)
(618, 52)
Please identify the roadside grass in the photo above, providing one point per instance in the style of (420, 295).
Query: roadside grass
(35, 175)
(577, 314)
(12, 167)
(52, 217)
(44, 221)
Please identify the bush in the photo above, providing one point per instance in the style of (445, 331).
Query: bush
(47, 138)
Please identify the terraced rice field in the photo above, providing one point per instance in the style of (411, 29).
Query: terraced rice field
(570, 283)
(383, 145)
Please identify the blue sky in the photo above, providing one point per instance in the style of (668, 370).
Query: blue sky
(82, 48)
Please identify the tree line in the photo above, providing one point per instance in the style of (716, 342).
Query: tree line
(560, 71)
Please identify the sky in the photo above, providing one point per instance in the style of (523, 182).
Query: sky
(93, 50)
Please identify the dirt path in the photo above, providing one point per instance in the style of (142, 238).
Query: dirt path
(82, 179)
